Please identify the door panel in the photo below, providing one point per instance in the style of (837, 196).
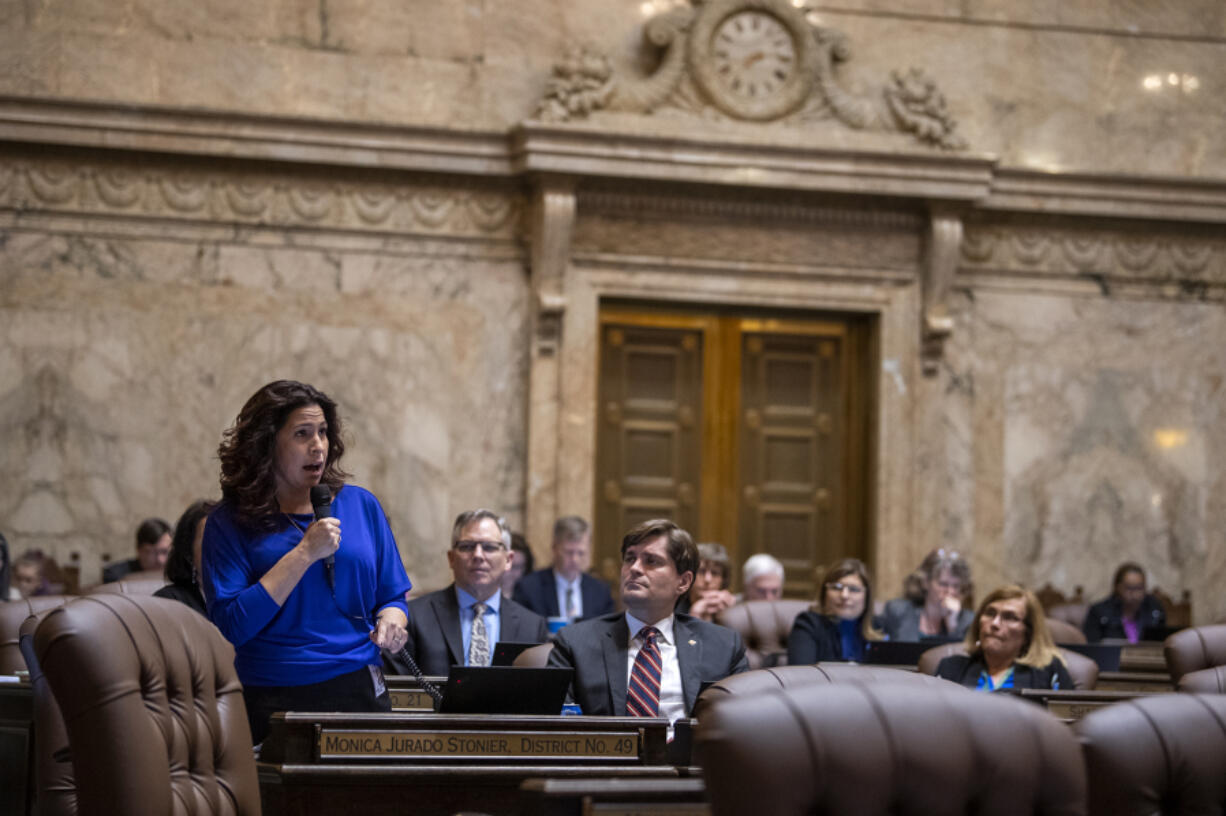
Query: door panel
(745, 430)
(791, 463)
(648, 453)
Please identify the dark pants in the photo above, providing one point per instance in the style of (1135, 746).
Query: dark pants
(354, 691)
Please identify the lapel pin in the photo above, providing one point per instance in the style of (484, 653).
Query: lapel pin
(693, 643)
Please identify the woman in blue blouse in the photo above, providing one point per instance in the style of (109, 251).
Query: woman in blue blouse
(840, 626)
(308, 603)
(1008, 646)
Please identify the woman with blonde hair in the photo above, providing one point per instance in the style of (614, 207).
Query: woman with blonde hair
(1008, 646)
(838, 627)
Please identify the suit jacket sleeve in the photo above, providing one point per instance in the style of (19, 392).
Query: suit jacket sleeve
(1091, 626)
(562, 655)
(803, 639)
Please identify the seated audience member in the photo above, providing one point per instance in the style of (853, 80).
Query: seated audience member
(521, 564)
(183, 564)
(945, 579)
(8, 592)
(152, 549)
(648, 661)
(459, 625)
(565, 589)
(841, 622)
(31, 575)
(708, 595)
(762, 577)
(1128, 613)
(1008, 646)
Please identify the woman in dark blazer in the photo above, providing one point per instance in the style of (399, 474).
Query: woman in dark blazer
(1008, 646)
(837, 627)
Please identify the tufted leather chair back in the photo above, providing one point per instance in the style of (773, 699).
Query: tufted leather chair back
(1204, 681)
(888, 748)
(764, 626)
(1190, 650)
(152, 707)
(12, 615)
(1064, 632)
(534, 656)
(56, 787)
(1082, 669)
(763, 681)
(1160, 753)
(134, 583)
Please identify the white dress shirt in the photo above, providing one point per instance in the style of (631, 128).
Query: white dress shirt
(561, 585)
(672, 698)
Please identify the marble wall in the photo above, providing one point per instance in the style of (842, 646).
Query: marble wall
(130, 342)
(1048, 86)
(195, 200)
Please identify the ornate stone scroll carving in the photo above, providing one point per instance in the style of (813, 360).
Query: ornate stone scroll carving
(750, 60)
(228, 195)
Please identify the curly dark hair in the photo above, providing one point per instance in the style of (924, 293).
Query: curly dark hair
(180, 568)
(248, 450)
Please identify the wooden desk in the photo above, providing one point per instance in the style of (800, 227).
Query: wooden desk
(408, 695)
(614, 797)
(1140, 682)
(1071, 705)
(1141, 657)
(439, 764)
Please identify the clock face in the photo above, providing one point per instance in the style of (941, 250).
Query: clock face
(753, 54)
(753, 59)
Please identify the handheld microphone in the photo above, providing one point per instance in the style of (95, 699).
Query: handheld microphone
(321, 503)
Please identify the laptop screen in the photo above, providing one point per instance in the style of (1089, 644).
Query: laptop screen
(505, 690)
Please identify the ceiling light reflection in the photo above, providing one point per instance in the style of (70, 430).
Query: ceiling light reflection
(1169, 438)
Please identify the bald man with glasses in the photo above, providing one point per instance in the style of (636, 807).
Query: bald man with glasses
(459, 625)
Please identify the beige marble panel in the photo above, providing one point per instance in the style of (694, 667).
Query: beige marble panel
(1096, 427)
(1050, 86)
(125, 356)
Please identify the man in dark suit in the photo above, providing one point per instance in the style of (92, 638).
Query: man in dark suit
(658, 564)
(565, 589)
(152, 550)
(459, 625)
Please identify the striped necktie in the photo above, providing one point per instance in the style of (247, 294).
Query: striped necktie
(479, 645)
(643, 691)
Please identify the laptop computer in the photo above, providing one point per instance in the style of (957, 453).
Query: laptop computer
(505, 690)
(900, 652)
(505, 651)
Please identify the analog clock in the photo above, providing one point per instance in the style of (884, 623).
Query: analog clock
(753, 59)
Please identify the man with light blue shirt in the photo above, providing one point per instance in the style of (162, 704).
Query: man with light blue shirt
(459, 625)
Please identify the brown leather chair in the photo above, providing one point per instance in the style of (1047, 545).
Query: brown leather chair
(763, 681)
(1082, 669)
(764, 626)
(55, 786)
(1065, 632)
(152, 707)
(1189, 650)
(534, 656)
(887, 748)
(1073, 614)
(12, 615)
(1204, 681)
(1162, 753)
(134, 583)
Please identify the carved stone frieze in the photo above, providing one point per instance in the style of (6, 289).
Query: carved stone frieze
(747, 60)
(1170, 262)
(222, 194)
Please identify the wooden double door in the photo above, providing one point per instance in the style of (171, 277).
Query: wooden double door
(747, 429)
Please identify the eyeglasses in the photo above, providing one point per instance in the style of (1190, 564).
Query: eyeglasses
(487, 547)
(1006, 615)
(852, 589)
